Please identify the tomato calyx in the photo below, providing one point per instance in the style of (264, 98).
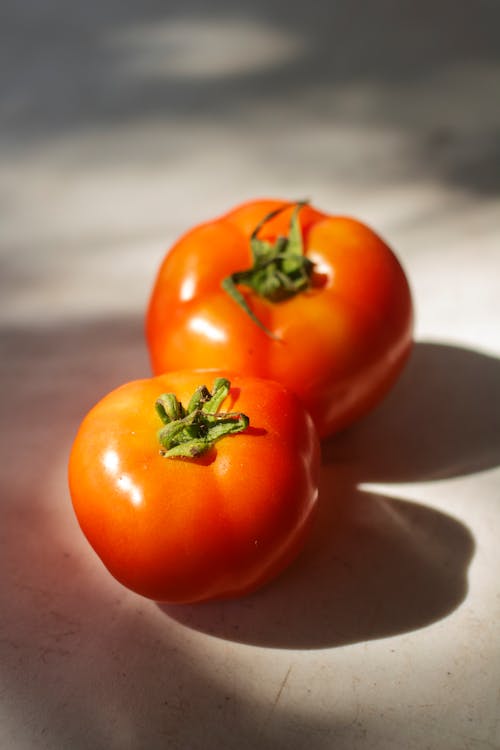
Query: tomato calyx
(280, 269)
(191, 431)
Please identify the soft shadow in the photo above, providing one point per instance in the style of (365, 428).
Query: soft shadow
(374, 567)
(419, 69)
(441, 420)
(378, 566)
(64, 369)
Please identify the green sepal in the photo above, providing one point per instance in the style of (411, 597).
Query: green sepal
(169, 408)
(280, 270)
(189, 433)
(229, 286)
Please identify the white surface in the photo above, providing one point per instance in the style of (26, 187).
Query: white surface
(121, 127)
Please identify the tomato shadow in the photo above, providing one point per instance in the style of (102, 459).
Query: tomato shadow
(441, 420)
(373, 567)
(376, 566)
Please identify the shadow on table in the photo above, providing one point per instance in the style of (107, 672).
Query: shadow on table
(377, 566)
(421, 71)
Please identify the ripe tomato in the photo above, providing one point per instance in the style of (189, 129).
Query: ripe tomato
(283, 291)
(179, 507)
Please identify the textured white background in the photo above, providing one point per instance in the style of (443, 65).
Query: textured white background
(123, 124)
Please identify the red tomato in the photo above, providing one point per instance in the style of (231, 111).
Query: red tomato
(179, 518)
(320, 303)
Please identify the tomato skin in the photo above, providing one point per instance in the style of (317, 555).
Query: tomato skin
(342, 343)
(188, 530)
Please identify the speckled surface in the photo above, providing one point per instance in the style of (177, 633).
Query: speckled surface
(121, 126)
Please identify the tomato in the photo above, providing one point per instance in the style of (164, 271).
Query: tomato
(283, 291)
(189, 499)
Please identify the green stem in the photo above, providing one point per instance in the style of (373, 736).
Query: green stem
(280, 270)
(190, 432)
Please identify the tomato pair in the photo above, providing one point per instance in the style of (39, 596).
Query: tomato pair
(302, 321)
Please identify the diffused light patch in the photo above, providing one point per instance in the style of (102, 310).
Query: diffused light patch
(187, 289)
(200, 325)
(125, 483)
(111, 461)
(319, 265)
(204, 48)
